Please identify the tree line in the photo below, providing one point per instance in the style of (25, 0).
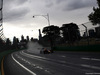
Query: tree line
(15, 44)
(67, 33)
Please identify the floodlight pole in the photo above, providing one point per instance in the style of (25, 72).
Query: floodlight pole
(47, 17)
(86, 33)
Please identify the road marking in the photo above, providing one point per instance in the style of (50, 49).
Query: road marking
(90, 66)
(34, 65)
(85, 58)
(32, 56)
(63, 56)
(48, 59)
(23, 66)
(29, 55)
(94, 59)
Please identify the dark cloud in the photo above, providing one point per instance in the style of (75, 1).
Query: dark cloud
(9, 4)
(49, 3)
(14, 10)
(77, 4)
(71, 4)
(20, 2)
(60, 1)
(15, 14)
(13, 2)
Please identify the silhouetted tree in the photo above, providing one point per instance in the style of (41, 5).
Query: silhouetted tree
(27, 37)
(52, 32)
(94, 17)
(2, 45)
(32, 39)
(70, 32)
(15, 42)
(8, 44)
(18, 43)
(22, 38)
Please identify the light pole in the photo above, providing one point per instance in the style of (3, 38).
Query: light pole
(47, 17)
(86, 33)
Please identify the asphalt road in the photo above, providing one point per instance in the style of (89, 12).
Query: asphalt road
(59, 63)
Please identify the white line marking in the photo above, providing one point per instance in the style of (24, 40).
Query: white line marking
(85, 58)
(63, 56)
(32, 56)
(90, 66)
(94, 59)
(23, 66)
(43, 58)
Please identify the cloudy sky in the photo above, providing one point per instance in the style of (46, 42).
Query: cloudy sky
(18, 14)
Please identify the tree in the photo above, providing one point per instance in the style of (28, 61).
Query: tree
(51, 32)
(2, 45)
(8, 44)
(27, 37)
(14, 42)
(22, 38)
(94, 17)
(70, 32)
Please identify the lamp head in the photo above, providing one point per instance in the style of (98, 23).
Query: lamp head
(33, 16)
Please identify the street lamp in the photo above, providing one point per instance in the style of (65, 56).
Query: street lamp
(86, 33)
(46, 17)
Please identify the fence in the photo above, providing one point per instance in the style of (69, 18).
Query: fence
(1, 20)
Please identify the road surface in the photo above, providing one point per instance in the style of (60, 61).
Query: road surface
(26, 62)
(65, 63)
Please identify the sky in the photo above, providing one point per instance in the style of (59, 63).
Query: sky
(18, 15)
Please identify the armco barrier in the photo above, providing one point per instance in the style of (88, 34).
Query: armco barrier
(78, 48)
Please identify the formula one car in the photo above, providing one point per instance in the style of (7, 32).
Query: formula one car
(45, 51)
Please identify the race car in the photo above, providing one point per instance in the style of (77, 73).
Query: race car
(45, 51)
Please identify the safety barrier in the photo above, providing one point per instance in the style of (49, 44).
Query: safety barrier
(78, 48)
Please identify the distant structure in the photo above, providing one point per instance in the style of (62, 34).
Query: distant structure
(40, 35)
(84, 35)
(91, 33)
(97, 29)
(1, 20)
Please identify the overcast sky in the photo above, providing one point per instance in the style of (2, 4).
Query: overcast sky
(18, 14)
